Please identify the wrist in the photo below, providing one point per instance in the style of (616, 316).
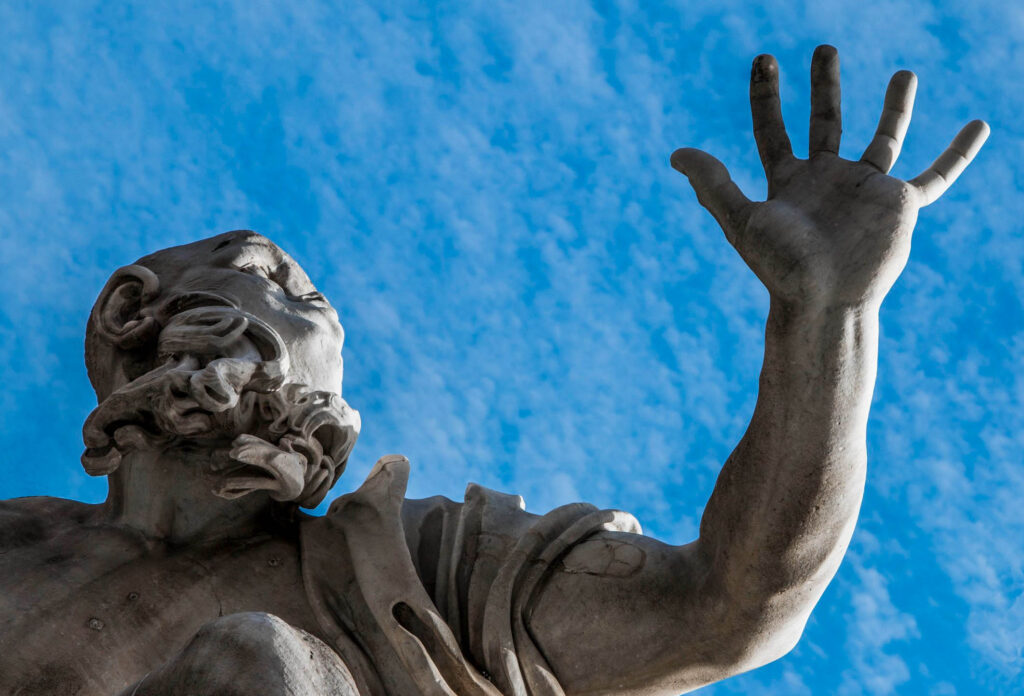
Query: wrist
(787, 311)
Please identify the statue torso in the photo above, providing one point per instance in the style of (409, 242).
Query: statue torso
(85, 593)
(426, 597)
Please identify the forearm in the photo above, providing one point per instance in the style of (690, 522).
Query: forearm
(785, 503)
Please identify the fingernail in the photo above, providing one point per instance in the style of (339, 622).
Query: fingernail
(763, 68)
(677, 162)
(825, 51)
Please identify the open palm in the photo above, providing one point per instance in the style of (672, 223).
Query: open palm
(832, 230)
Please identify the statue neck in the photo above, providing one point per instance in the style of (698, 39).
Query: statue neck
(167, 496)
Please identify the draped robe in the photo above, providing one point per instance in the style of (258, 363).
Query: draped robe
(430, 597)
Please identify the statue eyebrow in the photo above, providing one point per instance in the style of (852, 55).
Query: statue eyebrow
(263, 253)
(274, 262)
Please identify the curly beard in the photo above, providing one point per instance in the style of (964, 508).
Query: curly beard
(221, 387)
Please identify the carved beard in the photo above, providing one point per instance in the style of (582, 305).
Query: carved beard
(221, 387)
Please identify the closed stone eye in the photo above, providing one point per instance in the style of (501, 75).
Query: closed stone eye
(257, 270)
(309, 297)
(272, 276)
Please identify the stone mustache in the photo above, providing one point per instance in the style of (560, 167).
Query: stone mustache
(217, 367)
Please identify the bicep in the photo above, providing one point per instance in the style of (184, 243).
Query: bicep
(623, 613)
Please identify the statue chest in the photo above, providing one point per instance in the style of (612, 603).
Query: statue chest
(89, 612)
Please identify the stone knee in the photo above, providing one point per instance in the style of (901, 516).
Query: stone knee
(251, 654)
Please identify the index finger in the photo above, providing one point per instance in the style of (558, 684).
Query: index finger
(769, 130)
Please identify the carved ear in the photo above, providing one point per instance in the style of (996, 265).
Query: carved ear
(118, 315)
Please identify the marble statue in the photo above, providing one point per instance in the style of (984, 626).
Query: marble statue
(217, 367)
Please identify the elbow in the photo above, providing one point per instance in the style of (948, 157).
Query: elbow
(772, 640)
(758, 642)
(761, 627)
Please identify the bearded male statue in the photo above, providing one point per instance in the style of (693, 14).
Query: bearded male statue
(217, 366)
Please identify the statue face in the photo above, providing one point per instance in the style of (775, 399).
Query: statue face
(224, 346)
(249, 272)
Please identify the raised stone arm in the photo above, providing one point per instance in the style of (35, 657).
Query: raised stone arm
(828, 244)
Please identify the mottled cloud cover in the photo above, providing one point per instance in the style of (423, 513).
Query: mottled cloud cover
(533, 298)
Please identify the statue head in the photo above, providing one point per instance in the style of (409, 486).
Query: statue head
(223, 346)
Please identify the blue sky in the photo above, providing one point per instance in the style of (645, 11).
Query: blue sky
(533, 299)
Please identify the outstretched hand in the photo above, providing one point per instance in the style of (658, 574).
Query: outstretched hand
(833, 231)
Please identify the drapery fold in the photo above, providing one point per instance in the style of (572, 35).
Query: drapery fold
(436, 602)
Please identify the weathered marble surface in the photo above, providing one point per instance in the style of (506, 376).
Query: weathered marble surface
(217, 368)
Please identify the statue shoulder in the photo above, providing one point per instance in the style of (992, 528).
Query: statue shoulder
(27, 521)
(434, 523)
